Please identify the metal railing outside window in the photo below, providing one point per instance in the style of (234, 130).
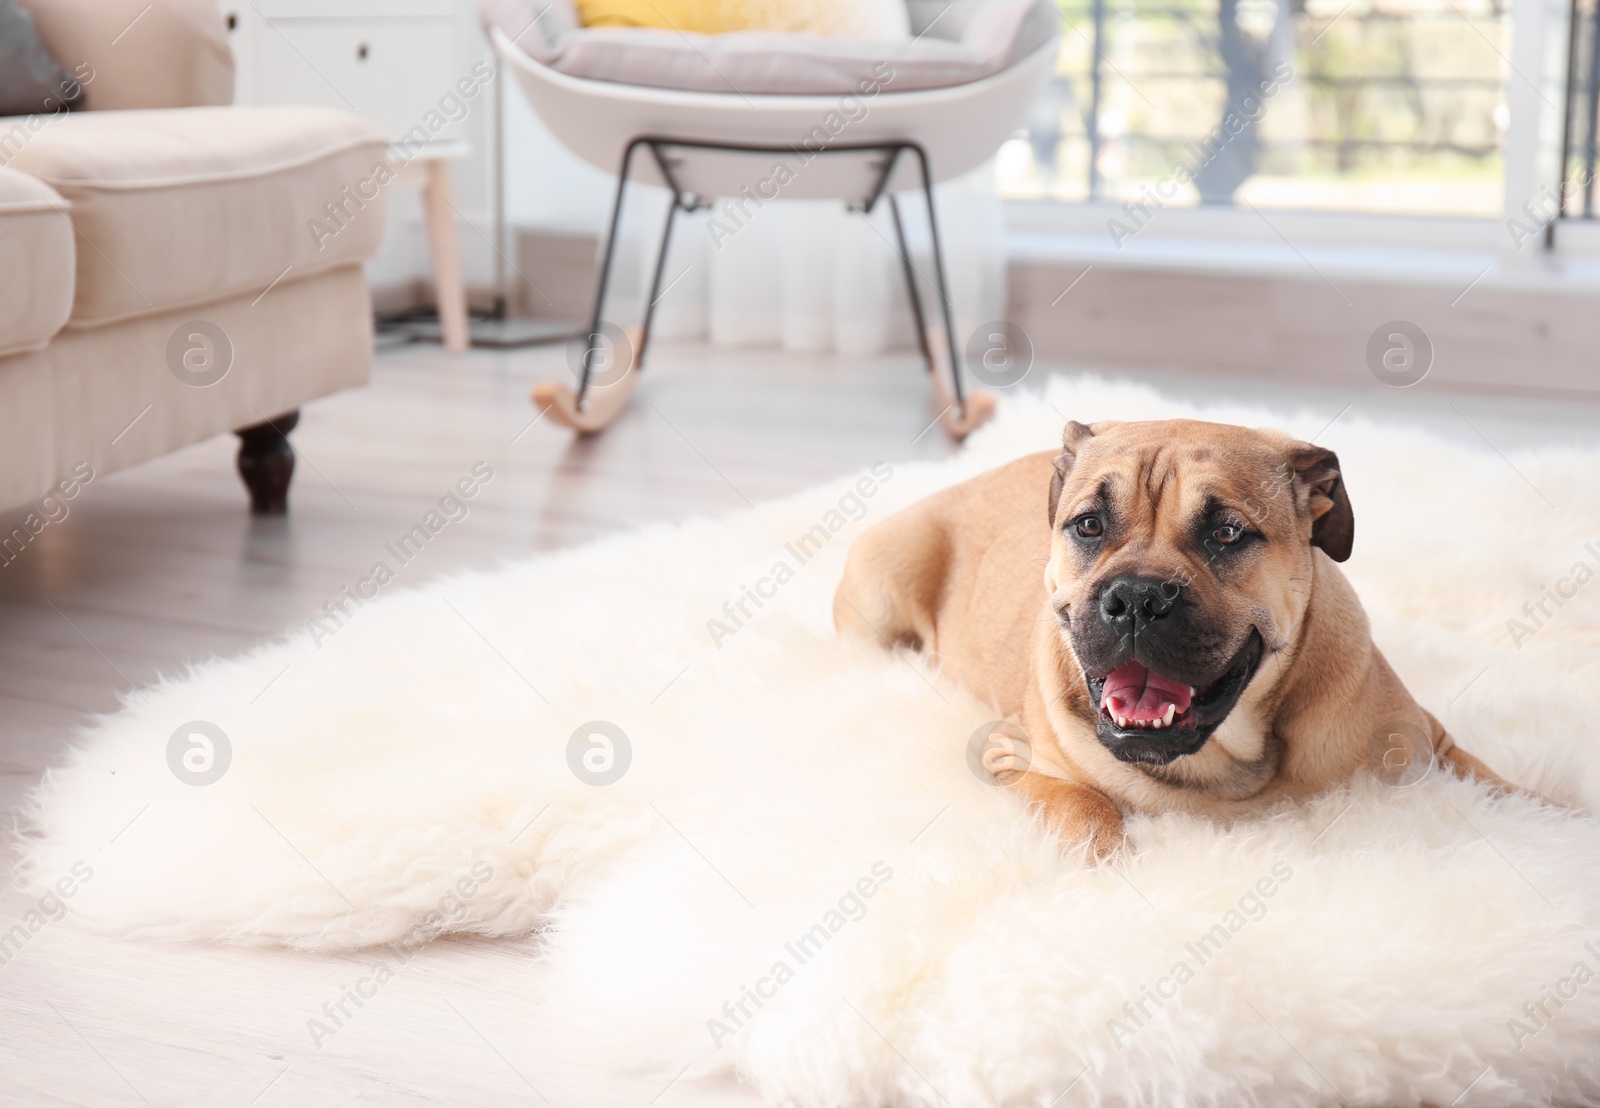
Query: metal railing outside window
(1576, 197)
(1396, 106)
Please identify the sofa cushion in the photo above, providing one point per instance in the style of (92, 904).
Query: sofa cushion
(140, 53)
(974, 40)
(36, 279)
(190, 205)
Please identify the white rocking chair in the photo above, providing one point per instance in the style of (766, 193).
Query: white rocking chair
(700, 145)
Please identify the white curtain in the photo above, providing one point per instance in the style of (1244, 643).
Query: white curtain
(811, 275)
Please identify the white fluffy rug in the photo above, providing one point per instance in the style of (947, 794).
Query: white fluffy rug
(799, 880)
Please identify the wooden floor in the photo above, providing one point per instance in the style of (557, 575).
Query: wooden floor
(161, 565)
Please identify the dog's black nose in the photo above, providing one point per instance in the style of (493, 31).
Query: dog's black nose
(1131, 601)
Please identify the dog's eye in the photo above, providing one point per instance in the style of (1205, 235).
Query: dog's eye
(1090, 527)
(1228, 534)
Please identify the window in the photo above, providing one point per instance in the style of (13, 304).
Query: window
(1381, 106)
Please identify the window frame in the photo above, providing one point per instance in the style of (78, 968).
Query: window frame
(1532, 165)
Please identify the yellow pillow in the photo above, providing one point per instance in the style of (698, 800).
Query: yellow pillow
(829, 18)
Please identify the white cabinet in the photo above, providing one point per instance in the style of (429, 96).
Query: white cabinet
(392, 61)
(393, 72)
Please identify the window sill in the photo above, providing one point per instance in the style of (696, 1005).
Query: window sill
(1354, 249)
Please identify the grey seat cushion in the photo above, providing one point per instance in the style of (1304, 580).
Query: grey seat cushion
(954, 43)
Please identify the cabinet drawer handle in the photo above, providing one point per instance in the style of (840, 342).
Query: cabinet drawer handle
(361, 51)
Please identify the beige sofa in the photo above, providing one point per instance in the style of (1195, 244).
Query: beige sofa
(167, 271)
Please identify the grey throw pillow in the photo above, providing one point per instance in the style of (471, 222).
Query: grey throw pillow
(30, 79)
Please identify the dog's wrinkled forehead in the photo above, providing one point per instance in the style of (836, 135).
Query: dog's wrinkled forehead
(1178, 468)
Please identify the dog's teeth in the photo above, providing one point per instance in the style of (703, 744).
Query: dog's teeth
(1121, 722)
(1172, 710)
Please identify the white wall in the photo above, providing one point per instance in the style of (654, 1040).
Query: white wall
(546, 186)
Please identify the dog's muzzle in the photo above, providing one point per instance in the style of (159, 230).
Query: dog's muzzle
(1147, 718)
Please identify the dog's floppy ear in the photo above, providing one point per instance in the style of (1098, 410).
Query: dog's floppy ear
(1333, 527)
(1075, 434)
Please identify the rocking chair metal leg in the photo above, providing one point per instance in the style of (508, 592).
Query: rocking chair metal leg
(944, 284)
(655, 281)
(569, 408)
(917, 317)
(605, 272)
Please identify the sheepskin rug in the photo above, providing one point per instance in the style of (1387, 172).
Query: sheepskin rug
(795, 877)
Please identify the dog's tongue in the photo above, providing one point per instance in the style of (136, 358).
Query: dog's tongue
(1137, 692)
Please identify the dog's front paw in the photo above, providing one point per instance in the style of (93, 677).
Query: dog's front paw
(1104, 845)
(1085, 821)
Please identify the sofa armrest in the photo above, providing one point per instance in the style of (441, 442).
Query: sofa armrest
(139, 53)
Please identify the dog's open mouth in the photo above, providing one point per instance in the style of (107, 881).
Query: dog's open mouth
(1149, 718)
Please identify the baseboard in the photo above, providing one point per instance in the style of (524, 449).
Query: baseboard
(1301, 331)
(398, 297)
(1239, 325)
(551, 276)
(555, 273)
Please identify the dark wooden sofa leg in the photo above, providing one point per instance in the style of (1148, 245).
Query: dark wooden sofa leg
(266, 462)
